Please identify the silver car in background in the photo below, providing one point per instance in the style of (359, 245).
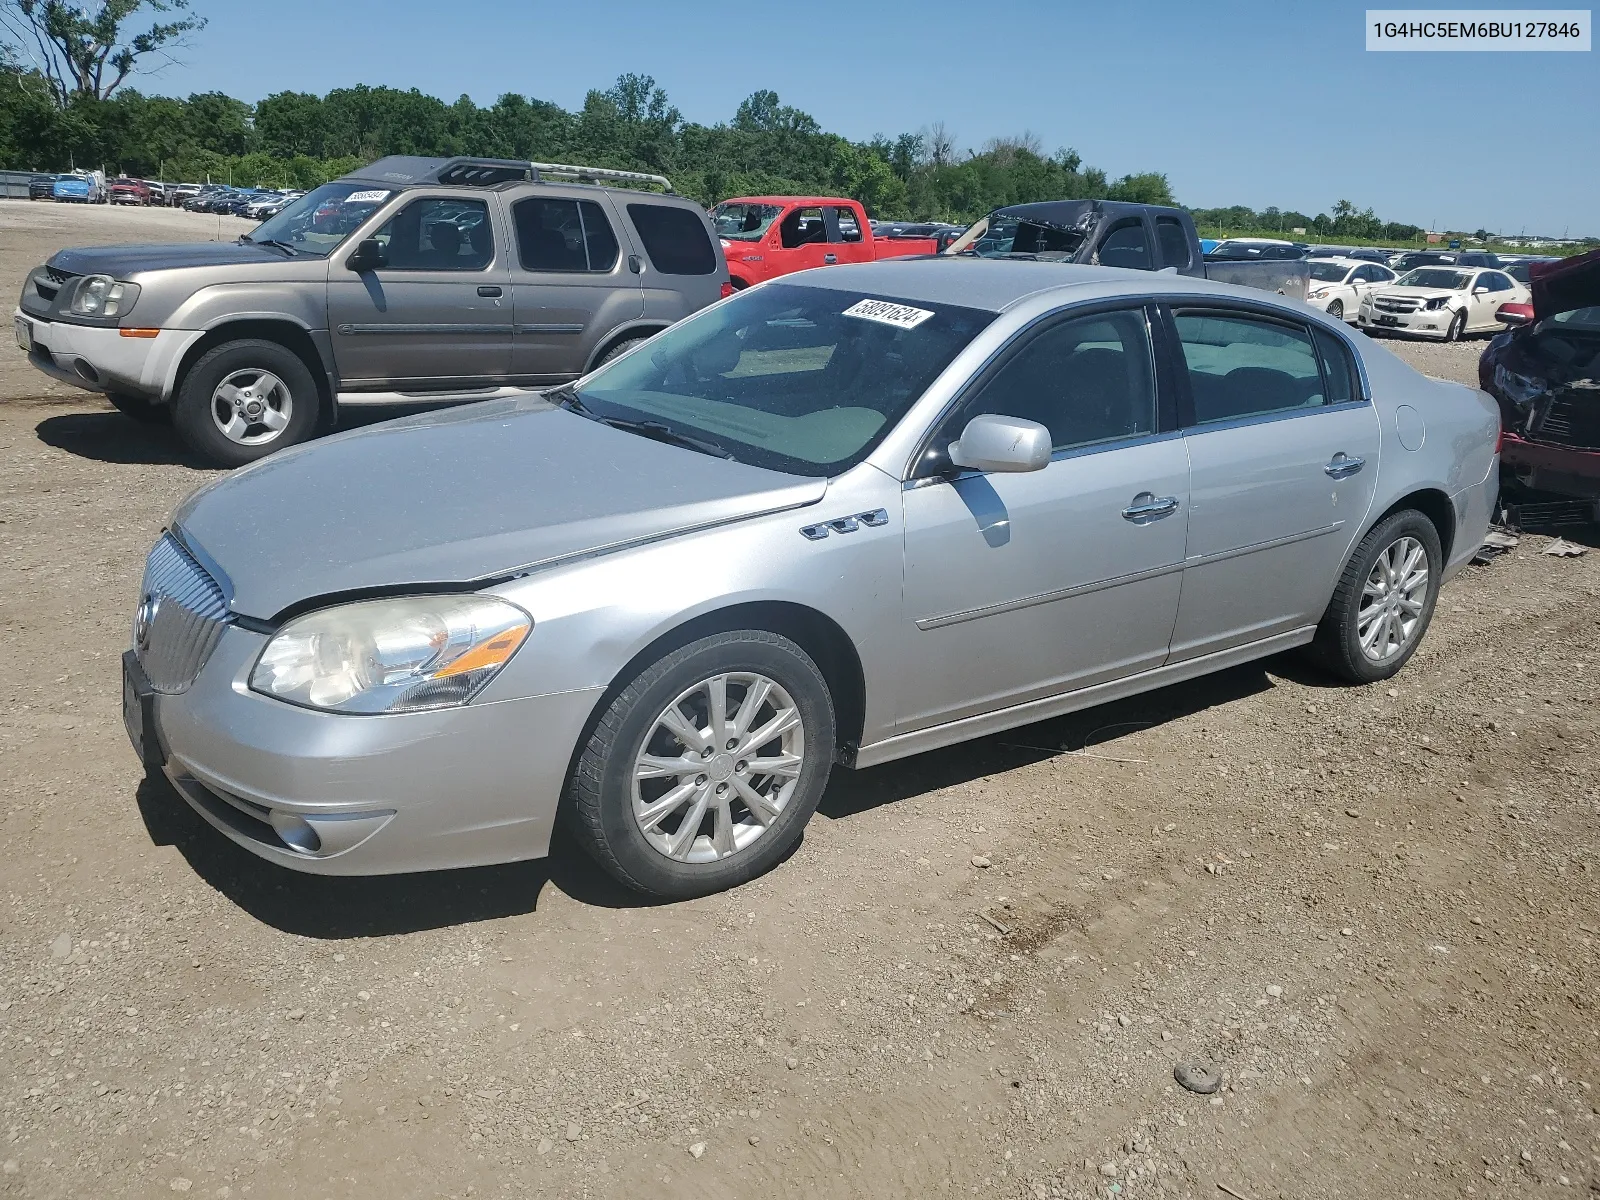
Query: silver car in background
(840, 518)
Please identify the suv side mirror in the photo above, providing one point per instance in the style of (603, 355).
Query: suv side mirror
(995, 443)
(367, 256)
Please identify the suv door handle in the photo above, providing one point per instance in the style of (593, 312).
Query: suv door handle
(489, 290)
(1147, 507)
(1342, 466)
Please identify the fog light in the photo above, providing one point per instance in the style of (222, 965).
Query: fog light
(296, 832)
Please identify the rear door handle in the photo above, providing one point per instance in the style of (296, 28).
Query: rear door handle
(489, 290)
(1147, 507)
(830, 258)
(1342, 466)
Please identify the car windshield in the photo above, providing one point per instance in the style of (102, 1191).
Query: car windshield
(805, 380)
(1329, 272)
(744, 222)
(1008, 236)
(321, 219)
(1436, 277)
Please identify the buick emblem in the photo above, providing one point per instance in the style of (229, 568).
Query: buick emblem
(145, 617)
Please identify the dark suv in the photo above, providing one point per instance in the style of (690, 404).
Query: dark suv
(410, 281)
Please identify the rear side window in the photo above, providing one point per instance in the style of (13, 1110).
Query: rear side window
(849, 227)
(563, 235)
(1125, 246)
(1246, 366)
(1337, 369)
(1174, 243)
(674, 238)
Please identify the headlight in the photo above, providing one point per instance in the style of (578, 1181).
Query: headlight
(382, 656)
(1436, 303)
(1317, 295)
(103, 296)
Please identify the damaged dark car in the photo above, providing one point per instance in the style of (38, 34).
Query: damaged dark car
(1544, 372)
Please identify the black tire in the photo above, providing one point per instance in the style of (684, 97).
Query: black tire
(192, 410)
(1336, 310)
(1338, 643)
(599, 799)
(620, 349)
(144, 411)
(1457, 326)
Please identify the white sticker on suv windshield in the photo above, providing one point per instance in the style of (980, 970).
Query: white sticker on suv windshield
(902, 316)
(375, 196)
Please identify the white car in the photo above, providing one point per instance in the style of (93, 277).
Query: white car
(1338, 285)
(1441, 302)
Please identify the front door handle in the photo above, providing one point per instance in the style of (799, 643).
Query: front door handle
(489, 290)
(1147, 507)
(1342, 466)
(830, 258)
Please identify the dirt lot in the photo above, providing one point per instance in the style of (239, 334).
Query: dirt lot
(1374, 909)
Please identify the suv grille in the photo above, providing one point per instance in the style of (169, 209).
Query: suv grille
(182, 612)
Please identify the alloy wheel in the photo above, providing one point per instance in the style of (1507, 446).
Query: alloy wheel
(1393, 599)
(718, 767)
(251, 407)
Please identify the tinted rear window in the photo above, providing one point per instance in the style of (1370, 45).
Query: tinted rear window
(674, 238)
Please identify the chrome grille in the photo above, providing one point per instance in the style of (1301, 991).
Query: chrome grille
(182, 611)
(1397, 304)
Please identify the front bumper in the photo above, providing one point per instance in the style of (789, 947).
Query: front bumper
(99, 359)
(332, 794)
(1546, 468)
(1423, 323)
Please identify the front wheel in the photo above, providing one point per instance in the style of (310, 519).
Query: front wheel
(1384, 601)
(245, 399)
(703, 771)
(1457, 326)
(1336, 310)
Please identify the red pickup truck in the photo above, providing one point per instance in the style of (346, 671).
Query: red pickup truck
(767, 236)
(129, 191)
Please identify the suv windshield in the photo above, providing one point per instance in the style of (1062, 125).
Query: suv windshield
(744, 222)
(1435, 277)
(1329, 272)
(321, 219)
(1008, 236)
(805, 380)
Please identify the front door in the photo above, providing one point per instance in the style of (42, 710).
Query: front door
(803, 241)
(1020, 586)
(573, 281)
(1284, 454)
(436, 314)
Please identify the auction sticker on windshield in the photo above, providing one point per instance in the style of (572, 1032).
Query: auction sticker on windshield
(377, 196)
(901, 316)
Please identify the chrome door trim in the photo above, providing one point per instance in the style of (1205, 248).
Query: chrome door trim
(436, 327)
(552, 327)
(1271, 544)
(1082, 589)
(1287, 414)
(951, 732)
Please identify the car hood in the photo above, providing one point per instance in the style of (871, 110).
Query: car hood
(461, 495)
(1560, 287)
(123, 261)
(1420, 293)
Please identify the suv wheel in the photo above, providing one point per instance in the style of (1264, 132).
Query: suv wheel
(139, 408)
(1384, 600)
(620, 349)
(245, 399)
(703, 771)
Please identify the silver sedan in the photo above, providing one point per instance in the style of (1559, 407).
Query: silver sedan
(837, 519)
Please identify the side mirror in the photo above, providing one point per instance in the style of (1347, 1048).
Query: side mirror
(367, 256)
(1480, 290)
(1513, 315)
(994, 443)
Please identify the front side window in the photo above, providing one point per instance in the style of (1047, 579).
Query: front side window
(563, 235)
(1086, 380)
(438, 234)
(801, 228)
(805, 380)
(1246, 366)
(674, 238)
(1127, 246)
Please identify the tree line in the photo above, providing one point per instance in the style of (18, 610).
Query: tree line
(298, 139)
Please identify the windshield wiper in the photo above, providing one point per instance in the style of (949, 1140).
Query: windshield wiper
(567, 397)
(284, 246)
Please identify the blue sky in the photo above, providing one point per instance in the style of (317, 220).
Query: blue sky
(1248, 102)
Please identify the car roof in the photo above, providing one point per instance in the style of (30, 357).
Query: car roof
(805, 200)
(998, 284)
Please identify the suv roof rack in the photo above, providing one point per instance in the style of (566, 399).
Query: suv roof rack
(594, 174)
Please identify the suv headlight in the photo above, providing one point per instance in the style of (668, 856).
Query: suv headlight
(384, 656)
(1436, 303)
(103, 296)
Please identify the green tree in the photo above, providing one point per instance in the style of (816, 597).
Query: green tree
(85, 50)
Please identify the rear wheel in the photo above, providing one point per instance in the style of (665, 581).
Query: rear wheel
(1457, 326)
(245, 399)
(1384, 601)
(620, 349)
(139, 408)
(703, 771)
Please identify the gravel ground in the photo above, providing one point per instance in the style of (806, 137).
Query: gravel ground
(1374, 909)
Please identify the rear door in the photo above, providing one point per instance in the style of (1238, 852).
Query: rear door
(435, 316)
(1283, 449)
(573, 281)
(847, 244)
(682, 269)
